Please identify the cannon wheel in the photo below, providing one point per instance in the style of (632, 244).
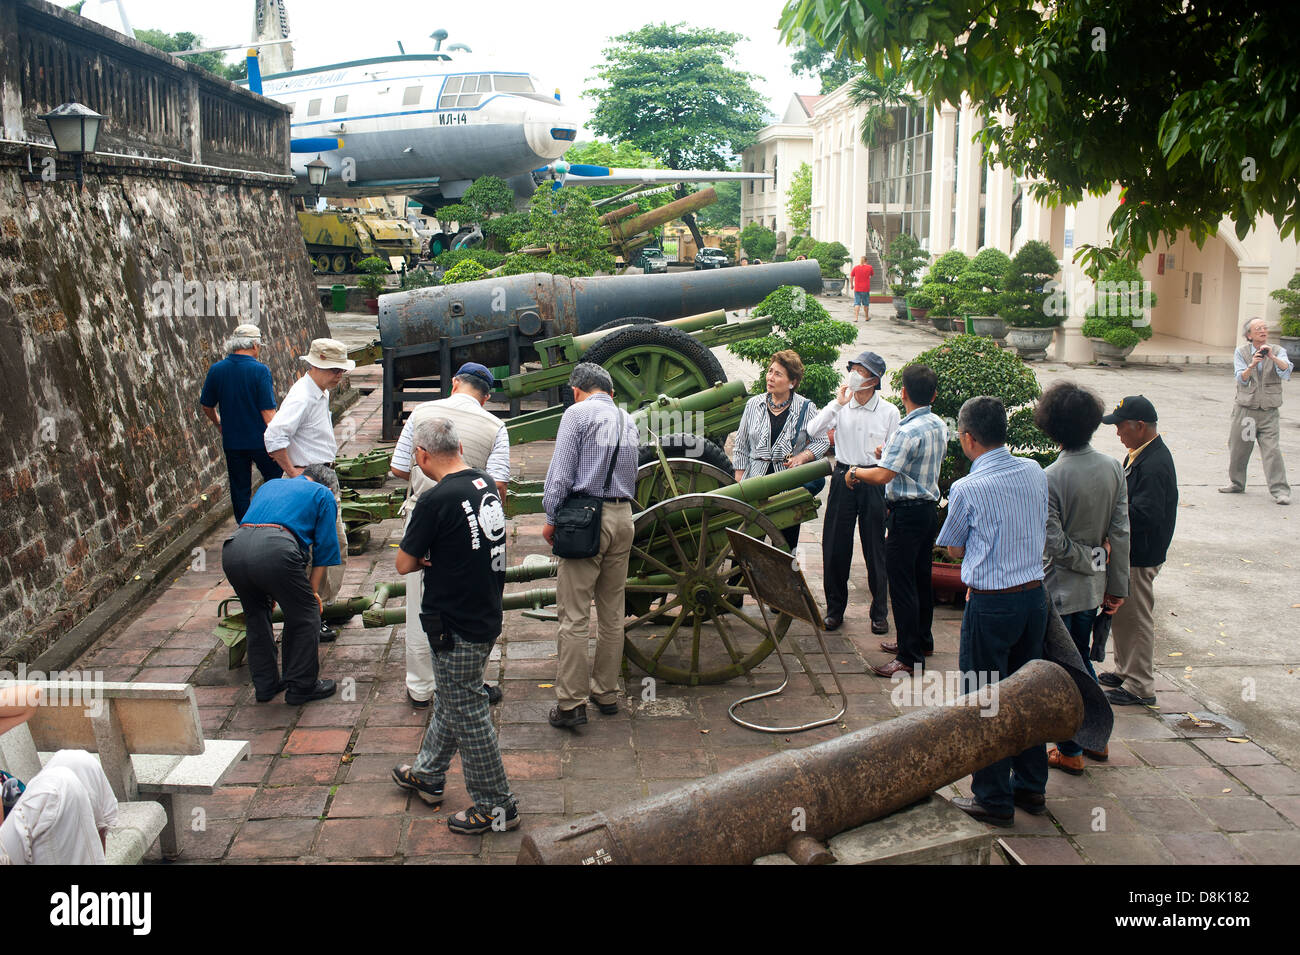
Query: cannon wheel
(667, 639)
(650, 361)
(690, 475)
(688, 446)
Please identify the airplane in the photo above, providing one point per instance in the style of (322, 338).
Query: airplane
(426, 125)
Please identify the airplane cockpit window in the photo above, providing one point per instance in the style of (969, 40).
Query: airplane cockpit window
(313, 107)
(411, 96)
(464, 99)
(512, 84)
(340, 103)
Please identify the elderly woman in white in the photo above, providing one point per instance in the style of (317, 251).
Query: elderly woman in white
(773, 430)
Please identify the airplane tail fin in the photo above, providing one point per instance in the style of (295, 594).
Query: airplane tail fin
(271, 22)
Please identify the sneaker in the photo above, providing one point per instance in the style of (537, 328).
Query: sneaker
(471, 822)
(1282, 499)
(1110, 679)
(494, 694)
(567, 719)
(406, 779)
(1071, 764)
(606, 709)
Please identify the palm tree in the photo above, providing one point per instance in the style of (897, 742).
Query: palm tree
(881, 95)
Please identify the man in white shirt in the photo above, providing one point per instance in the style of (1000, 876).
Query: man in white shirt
(302, 433)
(486, 447)
(863, 423)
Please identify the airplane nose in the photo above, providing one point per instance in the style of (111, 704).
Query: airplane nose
(549, 132)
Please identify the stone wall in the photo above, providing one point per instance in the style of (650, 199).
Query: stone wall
(114, 301)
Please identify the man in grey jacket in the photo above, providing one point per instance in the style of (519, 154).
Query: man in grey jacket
(1086, 562)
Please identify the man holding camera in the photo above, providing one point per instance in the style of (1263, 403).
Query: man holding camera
(1260, 369)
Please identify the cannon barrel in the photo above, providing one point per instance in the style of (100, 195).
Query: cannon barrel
(572, 306)
(740, 815)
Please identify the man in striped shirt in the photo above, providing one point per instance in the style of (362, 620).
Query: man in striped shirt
(997, 527)
(909, 469)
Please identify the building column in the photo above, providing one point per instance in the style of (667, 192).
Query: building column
(997, 215)
(970, 161)
(941, 178)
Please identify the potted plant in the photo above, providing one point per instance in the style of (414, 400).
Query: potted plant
(1120, 317)
(1031, 311)
(904, 261)
(967, 366)
(1290, 299)
(373, 280)
(978, 286)
(919, 303)
(940, 284)
(832, 257)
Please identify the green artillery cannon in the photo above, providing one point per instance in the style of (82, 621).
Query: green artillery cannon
(365, 470)
(362, 509)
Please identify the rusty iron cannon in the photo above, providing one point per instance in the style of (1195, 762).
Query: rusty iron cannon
(735, 817)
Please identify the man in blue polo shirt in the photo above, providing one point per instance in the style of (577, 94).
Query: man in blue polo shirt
(288, 527)
(997, 528)
(240, 386)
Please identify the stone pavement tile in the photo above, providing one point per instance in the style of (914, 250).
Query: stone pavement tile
(1092, 783)
(1112, 848)
(336, 715)
(228, 802)
(1133, 781)
(670, 735)
(116, 656)
(251, 770)
(139, 634)
(732, 756)
(614, 764)
(1027, 824)
(539, 795)
(363, 636)
(1269, 780)
(212, 718)
(529, 711)
(530, 689)
(497, 843)
(1119, 755)
(1234, 754)
(375, 768)
(1240, 813)
(1288, 806)
(400, 740)
(299, 770)
(534, 736)
(1268, 848)
(262, 839)
(1142, 727)
(164, 675)
(360, 838)
(183, 657)
(675, 764)
(1166, 814)
(431, 837)
(601, 732)
(808, 737)
(1201, 848)
(201, 639)
(1044, 850)
(217, 695)
(367, 799)
(657, 787)
(281, 802)
(1081, 814)
(539, 671)
(260, 742)
(598, 795)
(530, 650)
(252, 717)
(532, 765)
(209, 843)
(1200, 780)
(1176, 702)
(1168, 754)
(307, 741)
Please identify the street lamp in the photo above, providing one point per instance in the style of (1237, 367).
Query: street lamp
(75, 130)
(318, 170)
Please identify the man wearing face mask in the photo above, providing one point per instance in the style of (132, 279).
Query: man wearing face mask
(863, 421)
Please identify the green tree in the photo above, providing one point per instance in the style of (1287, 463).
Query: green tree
(1190, 110)
(725, 213)
(567, 226)
(813, 59)
(881, 95)
(185, 40)
(798, 203)
(759, 241)
(670, 90)
(490, 203)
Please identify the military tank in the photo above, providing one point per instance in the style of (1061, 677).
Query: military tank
(337, 241)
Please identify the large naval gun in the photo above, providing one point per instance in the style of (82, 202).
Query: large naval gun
(502, 322)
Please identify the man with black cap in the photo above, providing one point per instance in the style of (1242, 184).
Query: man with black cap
(863, 421)
(486, 448)
(1152, 512)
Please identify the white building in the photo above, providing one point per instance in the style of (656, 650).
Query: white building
(929, 179)
(778, 149)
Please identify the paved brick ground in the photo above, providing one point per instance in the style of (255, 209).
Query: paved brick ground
(317, 785)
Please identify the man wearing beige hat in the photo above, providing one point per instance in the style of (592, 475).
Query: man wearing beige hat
(302, 433)
(240, 386)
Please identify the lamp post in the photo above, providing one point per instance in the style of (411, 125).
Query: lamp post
(318, 170)
(75, 130)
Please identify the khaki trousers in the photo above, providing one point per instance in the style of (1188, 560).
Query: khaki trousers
(1134, 634)
(333, 582)
(420, 679)
(602, 579)
(1263, 425)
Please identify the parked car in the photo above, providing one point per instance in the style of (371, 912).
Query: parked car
(708, 258)
(652, 259)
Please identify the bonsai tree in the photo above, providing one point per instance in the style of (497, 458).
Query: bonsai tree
(920, 298)
(802, 323)
(1290, 299)
(904, 261)
(417, 278)
(968, 366)
(374, 275)
(759, 241)
(979, 284)
(940, 283)
(1025, 302)
(467, 270)
(831, 256)
(1120, 315)
(729, 244)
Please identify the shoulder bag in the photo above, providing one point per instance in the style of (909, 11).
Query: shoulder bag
(577, 520)
(801, 443)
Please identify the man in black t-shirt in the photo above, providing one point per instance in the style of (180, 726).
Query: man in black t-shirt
(457, 534)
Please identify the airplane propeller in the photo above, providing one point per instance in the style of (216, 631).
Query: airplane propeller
(561, 169)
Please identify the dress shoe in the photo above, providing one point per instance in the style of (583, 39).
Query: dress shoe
(1100, 755)
(976, 810)
(1110, 679)
(494, 694)
(567, 719)
(893, 648)
(890, 668)
(418, 704)
(322, 689)
(1232, 489)
(1033, 803)
(879, 627)
(1071, 764)
(606, 709)
(1122, 697)
(327, 634)
(832, 622)
(274, 693)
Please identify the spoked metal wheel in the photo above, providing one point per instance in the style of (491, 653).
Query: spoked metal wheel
(687, 621)
(646, 361)
(689, 476)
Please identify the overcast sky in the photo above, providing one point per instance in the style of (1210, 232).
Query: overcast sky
(559, 42)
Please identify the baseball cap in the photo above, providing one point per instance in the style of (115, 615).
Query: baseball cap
(248, 331)
(1132, 408)
(872, 362)
(481, 372)
(328, 353)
